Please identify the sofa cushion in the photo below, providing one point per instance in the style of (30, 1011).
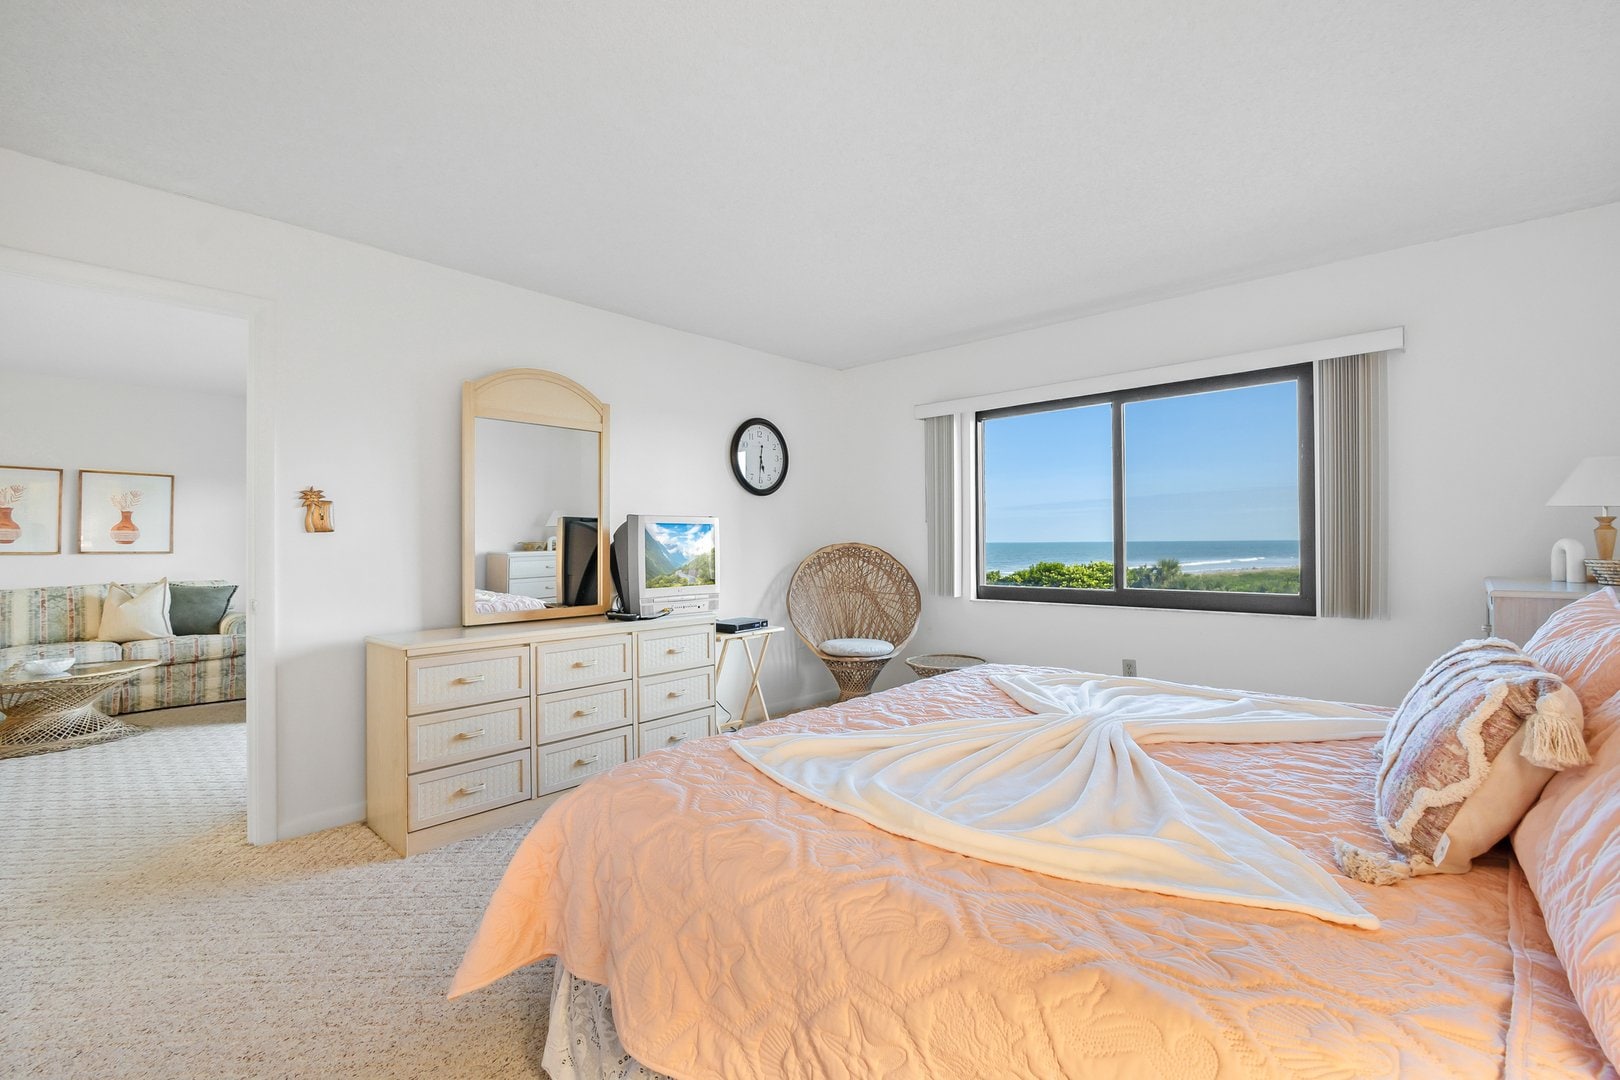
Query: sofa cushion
(188, 649)
(198, 609)
(47, 615)
(133, 614)
(85, 652)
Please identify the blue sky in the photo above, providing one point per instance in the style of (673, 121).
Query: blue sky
(1215, 466)
(685, 539)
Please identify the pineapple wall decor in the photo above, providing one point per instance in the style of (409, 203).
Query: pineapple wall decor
(317, 510)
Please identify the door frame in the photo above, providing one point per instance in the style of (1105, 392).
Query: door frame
(259, 315)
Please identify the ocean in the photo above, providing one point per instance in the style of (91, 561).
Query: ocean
(1195, 556)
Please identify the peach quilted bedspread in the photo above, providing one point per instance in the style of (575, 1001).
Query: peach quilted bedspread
(745, 931)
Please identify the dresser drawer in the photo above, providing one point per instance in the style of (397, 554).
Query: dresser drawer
(674, 650)
(439, 739)
(560, 665)
(578, 712)
(570, 764)
(540, 588)
(666, 695)
(446, 794)
(663, 734)
(450, 680)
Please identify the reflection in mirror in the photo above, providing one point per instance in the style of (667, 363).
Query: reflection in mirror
(534, 530)
(534, 454)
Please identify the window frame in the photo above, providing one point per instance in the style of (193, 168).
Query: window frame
(1303, 603)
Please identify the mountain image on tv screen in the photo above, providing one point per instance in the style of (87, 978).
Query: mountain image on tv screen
(679, 554)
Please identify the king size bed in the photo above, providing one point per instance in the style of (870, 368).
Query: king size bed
(709, 921)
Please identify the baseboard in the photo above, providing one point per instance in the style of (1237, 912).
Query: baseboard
(326, 819)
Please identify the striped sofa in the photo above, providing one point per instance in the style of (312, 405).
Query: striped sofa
(62, 620)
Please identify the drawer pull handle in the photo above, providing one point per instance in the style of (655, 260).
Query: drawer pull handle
(586, 712)
(471, 790)
(584, 761)
(676, 738)
(672, 652)
(677, 693)
(470, 734)
(585, 663)
(470, 679)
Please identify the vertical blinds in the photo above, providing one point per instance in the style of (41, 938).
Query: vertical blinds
(940, 504)
(1352, 464)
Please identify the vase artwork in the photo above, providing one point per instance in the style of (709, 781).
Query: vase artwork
(10, 496)
(125, 531)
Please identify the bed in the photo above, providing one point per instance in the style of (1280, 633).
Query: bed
(485, 602)
(708, 922)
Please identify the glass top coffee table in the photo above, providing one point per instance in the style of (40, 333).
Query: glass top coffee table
(54, 712)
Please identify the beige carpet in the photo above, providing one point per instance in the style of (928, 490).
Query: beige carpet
(141, 936)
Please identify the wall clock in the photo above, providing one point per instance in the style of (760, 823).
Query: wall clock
(759, 456)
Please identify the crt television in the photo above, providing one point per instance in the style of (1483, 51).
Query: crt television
(667, 562)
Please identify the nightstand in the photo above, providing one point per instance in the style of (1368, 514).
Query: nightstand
(523, 573)
(1515, 608)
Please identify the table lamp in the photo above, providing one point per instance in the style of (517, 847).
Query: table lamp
(1595, 482)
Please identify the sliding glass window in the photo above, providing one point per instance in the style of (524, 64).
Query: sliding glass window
(1184, 495)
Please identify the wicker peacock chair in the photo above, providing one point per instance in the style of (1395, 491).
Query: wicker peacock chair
(855, 606)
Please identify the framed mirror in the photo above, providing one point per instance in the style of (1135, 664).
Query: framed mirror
(534, 541)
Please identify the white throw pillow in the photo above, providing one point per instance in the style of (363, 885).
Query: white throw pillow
(856, 646)
(135, 617)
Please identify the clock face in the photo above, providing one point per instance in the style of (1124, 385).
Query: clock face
(759, 456)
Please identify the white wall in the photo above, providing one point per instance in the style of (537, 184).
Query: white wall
(73, 424)
(369, 352)
(1510, 375)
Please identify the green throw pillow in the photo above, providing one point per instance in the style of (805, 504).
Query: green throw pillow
(198, 609)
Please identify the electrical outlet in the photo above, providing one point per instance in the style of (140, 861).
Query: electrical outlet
(1128, 668)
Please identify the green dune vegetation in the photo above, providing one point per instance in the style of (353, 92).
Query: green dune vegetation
(1164, 574)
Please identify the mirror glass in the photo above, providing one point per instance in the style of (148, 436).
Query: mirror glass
(534, 451)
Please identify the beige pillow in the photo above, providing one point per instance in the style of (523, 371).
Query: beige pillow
(1467, 754)
(127, 616)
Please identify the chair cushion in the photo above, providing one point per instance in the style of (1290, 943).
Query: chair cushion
(186, 650)
(857, 647)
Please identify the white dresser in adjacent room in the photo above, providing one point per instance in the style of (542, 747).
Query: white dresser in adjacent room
(471, 729)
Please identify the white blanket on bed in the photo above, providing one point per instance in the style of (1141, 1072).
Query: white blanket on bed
(1070, 792)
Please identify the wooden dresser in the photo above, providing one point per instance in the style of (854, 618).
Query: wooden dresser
(472, 729)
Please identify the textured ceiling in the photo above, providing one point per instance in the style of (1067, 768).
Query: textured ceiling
(79, 333)
(845, 181)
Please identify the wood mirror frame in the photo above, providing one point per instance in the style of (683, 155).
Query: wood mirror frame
(529, 396)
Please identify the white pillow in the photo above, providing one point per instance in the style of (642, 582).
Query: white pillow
(856, 646)
(126, 617)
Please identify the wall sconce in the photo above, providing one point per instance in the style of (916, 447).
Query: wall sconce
(317, 510)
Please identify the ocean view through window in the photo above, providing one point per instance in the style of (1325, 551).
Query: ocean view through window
(1197, 495)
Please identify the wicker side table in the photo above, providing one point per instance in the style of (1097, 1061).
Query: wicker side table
(53, 712)
(939, 663)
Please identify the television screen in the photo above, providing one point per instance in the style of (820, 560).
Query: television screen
(679, 554)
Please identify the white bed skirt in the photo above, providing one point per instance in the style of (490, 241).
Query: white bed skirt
(581, 1041)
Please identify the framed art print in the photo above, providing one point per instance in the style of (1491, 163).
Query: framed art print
(30, 511)
(126, 512)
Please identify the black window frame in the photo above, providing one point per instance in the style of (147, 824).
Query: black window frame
(1302, 603)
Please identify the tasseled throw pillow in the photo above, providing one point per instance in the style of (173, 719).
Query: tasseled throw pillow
(1467, 754)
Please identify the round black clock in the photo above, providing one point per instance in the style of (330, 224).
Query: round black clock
(759, 456)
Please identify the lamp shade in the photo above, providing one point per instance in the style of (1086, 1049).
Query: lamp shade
(554, 520)
(1595, 482)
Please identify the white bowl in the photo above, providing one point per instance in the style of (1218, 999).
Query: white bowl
(48, 667)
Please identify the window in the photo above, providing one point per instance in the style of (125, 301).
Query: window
(1195, 494)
